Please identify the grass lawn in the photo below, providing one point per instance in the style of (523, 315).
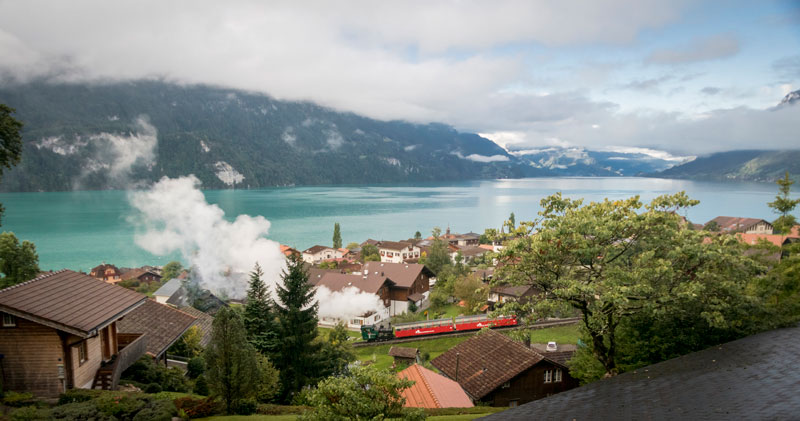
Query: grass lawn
(324, 331)
(476, 413)
(435, 347)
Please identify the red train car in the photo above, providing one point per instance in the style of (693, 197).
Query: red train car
(481, 321)
(423, 328)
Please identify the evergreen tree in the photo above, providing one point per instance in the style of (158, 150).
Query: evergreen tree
(784, 205)
(296, 356)
(418, 235)
(337, 236)
(259, 318)
(230, 360)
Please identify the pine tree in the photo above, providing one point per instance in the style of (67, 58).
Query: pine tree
(259, 318)
(230, 359)
(784, 205)
(296, 356)
(337, 236)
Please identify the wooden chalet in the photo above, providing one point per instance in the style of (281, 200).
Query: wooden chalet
(404, 355)
(409, 279)
(142, 275)
(59, 331)
(496, 370)
(106, 272)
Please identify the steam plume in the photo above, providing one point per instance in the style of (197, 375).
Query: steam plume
(347, 303)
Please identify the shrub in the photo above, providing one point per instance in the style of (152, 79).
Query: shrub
(245, 406)
(174, 380)
(195, 367)
(197, 408)
(412, 307)
(16, 399)
(157, 411)
(78, 395)
(28, 413)
(153, 388)
(201, 386)
(120, 404)
(79, 411)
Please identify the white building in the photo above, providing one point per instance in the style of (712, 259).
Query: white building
(397, 251)
(318, 254)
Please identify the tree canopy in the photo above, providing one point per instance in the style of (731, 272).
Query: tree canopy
(18, 262)
(784, 205)
(171, 270)
(337, 236)
(230, 360)
(622, 266)
(259, 318)
(10, 142)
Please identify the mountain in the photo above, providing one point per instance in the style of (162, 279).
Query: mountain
(121, 135)
(587, 163)
(752, 165)
(790, 98)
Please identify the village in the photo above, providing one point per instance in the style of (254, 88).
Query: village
(67, 330)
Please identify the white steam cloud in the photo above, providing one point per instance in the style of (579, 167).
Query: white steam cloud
(221, 253)
(347, 303)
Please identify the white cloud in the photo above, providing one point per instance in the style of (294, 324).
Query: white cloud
(483, 158)
(711, 48)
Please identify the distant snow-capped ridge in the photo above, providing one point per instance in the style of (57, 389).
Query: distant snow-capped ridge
(622, 161)
(791, 98)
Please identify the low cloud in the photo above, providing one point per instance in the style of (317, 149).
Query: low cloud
(712, 48)
(710, 90)
(484, 158)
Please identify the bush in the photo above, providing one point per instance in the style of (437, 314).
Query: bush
(120, 405)
(157, 411)
(153, 388)
(174, 380)
(245, 406)
(412, 307)
(28, 413)
(201, 386)
(143, 373)
(195, 367)
(78, 395)
(17, 400)
(79, 411)
(197, 408)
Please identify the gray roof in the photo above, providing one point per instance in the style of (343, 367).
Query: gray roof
(756, 377)
(168, 289)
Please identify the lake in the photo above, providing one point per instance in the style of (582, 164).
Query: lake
(79, 230)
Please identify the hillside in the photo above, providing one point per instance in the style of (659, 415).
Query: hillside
(753, 165)
(121, 135)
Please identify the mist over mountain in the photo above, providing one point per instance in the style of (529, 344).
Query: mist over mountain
(124, 135)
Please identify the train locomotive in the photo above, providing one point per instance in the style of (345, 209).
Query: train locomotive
(385, 332)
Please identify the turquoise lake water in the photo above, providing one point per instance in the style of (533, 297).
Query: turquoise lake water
(78, 230)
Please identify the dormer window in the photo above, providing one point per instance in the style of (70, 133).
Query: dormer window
(9, 320)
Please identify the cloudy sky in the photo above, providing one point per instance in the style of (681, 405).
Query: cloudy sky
(686, 77)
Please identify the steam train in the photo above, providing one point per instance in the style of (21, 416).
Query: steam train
(385, 332)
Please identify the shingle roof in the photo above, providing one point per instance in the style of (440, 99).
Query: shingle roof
(135, 273)
(485, 362)
(162, 324)
(561, 356)
(394, 245)
(316, 249)
(168, 289)
(403, 274)
(734, 223)
(203, 321)
(751, 378)
(69, 301)
(403, 352)
(431, 390)
(338, 281)
(512, 290)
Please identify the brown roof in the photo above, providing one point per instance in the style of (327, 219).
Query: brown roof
(733, 223)
(513, 290)
(100, 270)
(486, 361)
(136, 273)
(416, 297)
(315, 273)
(403, 352)
(338, 281)
(203, 321)
(317, 249)
(394, 245)
(472, 251)
(163, 325)
(69, 301)
(431, 390)
(403, 274)
(560, 356)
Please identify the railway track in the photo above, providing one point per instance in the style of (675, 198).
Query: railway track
(539, 325)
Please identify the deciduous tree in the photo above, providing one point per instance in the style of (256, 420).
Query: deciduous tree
(18, 262)
(231, 367)
(472, 291)
(171, 270)
(10, 141)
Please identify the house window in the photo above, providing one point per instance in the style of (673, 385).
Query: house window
(548, 376)
(9, 320)
(356, 322)
(557, 378)
(83, 352)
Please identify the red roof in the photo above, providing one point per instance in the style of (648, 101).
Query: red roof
(733, 223)
(431, 390)
(754, 239)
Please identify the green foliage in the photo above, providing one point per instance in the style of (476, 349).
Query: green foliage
(369, 252)
(18, 262)
(189, 344)
(646, 288)
(201, 386)
(268, 381)
(153, 388)
(472, 291)
(784, 205)
(328, 265)
(106, 405)
(17, 399)
(231, 367)
(197, 408)
(418, 235)
(145, 372)
(28, 413)
(365, 394)
(438, 257)
(259, 317)
(412, 307)
(712, 226)
(337, 236)
(195, 367)
(335, 353)
(171, 270)
(10, 141)
(297, 355)
(351, 246)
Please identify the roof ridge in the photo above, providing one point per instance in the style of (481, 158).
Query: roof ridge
(427, 384)
(38, 278)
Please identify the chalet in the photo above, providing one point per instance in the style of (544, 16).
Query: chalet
(373, 283)
(468, 253)
(397, 251)
(409, 279)
(503, 293)
(753, 378)
(59, 331)
(494, 369)
(143, 275)
(288, 251)
(317, 254)
(167, 290)
(162, 325)
(431, 390)
(404, 355)
(106, 272)
(746, 225)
